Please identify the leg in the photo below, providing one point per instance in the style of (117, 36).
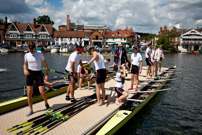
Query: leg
(43, 93)
(72, 84)
(29, 96)
(98, 94)
(152, 71)
(132, 81)
(81, 80)
(148, 67)
(88, 77)
(137, 80)
(120, 99)
(103, 93)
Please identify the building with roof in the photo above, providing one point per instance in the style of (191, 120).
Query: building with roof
(22, 33)
(185, 39)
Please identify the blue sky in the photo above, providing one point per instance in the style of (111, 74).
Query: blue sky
(141, 15)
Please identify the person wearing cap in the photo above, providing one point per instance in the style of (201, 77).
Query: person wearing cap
(148, 61)
(100, 78)
(73, 61)
(120, 56)
(136, 67)
(122, 94)
(32, 69)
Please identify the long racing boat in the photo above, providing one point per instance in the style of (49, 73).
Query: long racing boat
(133, 105)
(22, 101)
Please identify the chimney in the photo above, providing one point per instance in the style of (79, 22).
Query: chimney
(6, 22)
(68, 21)
(34, 22)
(160, 29)
(15, 22)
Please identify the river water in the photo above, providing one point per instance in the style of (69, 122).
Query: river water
(178, 111)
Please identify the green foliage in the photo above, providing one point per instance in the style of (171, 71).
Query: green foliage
(146, 36)
(164, 41)
(1, 21)
(45, 19)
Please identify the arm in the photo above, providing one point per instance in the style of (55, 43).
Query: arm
(81, 64)
(25, 68)
(124, 72)
(93, 58)
(163, 55)
(48, 83)
(46, 66)
(148, 55)
(72, 67)
(131, 65)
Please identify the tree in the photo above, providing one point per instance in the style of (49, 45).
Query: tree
(45, 19)
(1, 21)
(164, 41)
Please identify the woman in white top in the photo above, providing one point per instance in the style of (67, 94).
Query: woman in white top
(32, 69)
(160, 56)
(154, 60)
(99, 63)
(120, 78)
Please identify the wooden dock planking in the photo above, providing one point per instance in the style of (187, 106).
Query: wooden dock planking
(76, 125)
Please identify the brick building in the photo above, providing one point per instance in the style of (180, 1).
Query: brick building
(22, 33)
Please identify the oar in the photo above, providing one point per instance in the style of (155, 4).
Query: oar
(135, 100)
(63, 119)
(63, 73)
(58, 117)
(132, 92)
(48, 113)
(160, 81)
(153, 85)
(54, 115)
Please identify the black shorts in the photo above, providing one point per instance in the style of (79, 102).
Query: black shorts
(89, 72)
(148, 61)
(115, 68)
(70, 76)
(82, 71)
(135, 70)
(100, 76)
(160, 59)
(119, 91)
(34, 76)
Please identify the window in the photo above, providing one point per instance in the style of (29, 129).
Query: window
(93, 37)
(100, 37)
(43, 29)
(42, 36)
(125, 34)
(119, 34)
(28, 35)
(70, 39)
(113, 34)
(13, 35)
(96, 37)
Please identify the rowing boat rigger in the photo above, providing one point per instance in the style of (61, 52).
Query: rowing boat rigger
(134, 105)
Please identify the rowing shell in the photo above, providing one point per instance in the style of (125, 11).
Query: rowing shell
(123, 116)
(22, 101)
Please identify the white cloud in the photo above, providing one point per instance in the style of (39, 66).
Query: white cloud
(142, 15)
(34, 2)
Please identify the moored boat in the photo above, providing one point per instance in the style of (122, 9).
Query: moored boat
(131, 107)
(22, 101)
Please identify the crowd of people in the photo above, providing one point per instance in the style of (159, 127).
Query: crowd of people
(77, 71)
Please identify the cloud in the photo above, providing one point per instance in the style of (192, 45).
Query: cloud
(34, 2)
(13, 7)
(141, 15)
